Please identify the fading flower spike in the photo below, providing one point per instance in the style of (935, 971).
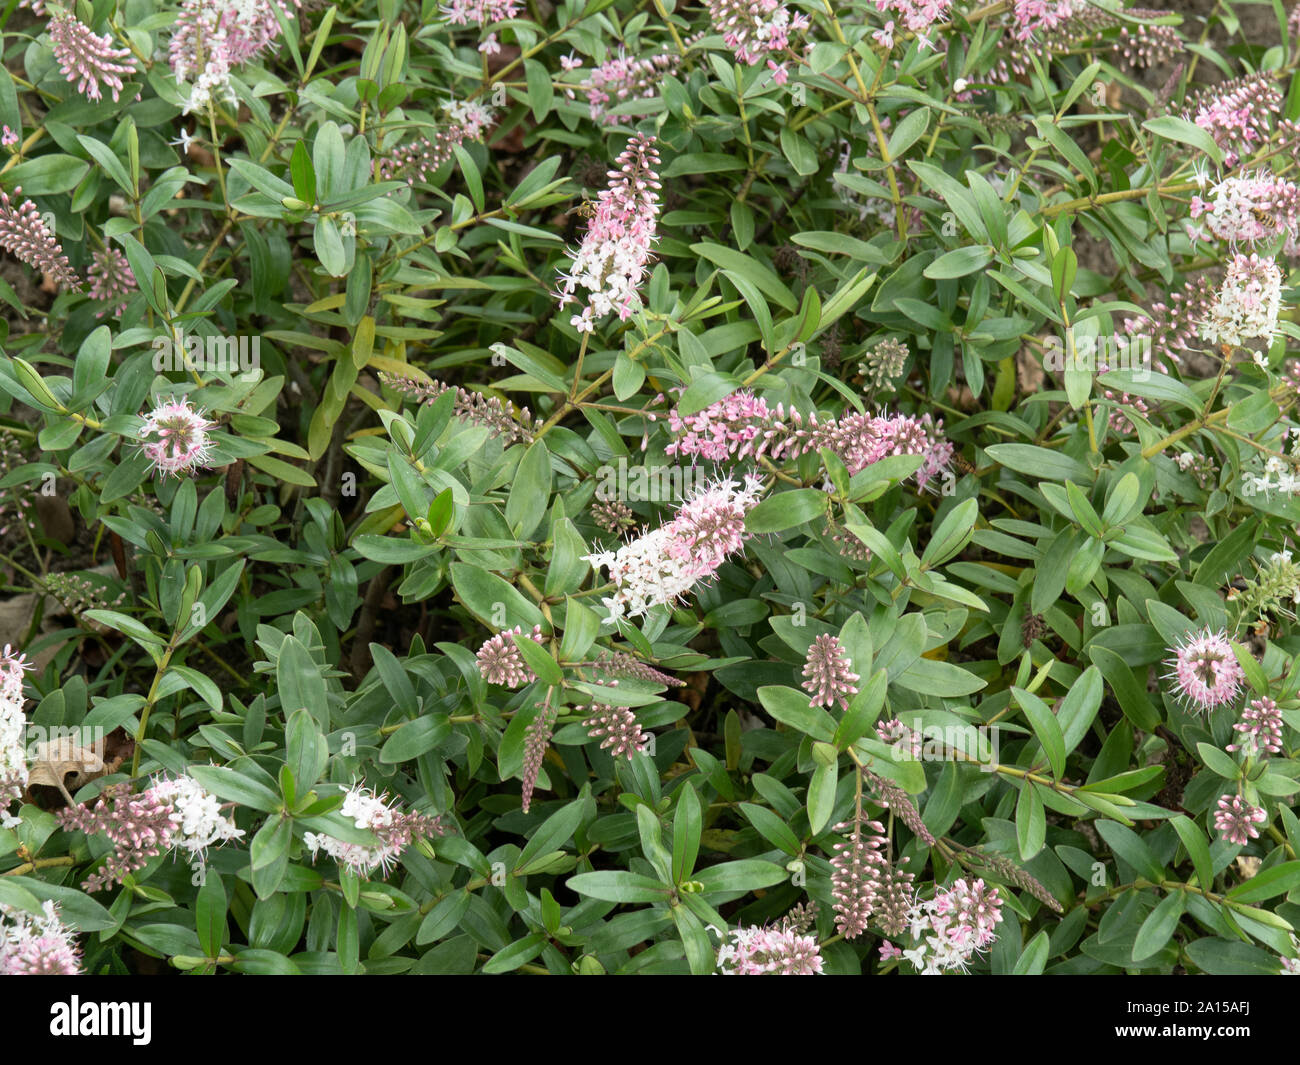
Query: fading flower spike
(33, 945)
(757, 951)
(537, 738)
(395, 829)
(175, 438)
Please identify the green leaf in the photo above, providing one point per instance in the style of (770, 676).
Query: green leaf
(1129, 846)
(47, 175)
(1158, 928)
(1184, 132)
(751, 270)
(1268, 884)
(615, 886)
(821, 796)
(1197, 848)
(1218, 762)
(1040, 462)
(554, 832)
(795, 709)
(751, 874)
(960, 262)
(688, 824)
(1031, 822)
(785, 510)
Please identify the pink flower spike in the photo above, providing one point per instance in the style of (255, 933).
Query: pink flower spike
(830, 677)
(86, 58)
(1235, 820)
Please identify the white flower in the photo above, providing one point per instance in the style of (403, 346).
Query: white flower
(1247, 304)
(196, 813)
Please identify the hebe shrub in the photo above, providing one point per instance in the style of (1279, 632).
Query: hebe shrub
(607, 486)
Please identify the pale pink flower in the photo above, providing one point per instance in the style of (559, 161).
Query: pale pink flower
(829, 674)
(111, 280)
(24, 234)
(758, 951)
(622, 78)
(857, 870)
(614, 257)
(480, 12)
(32, 945)
(1261, 728)
(953, 926)
(905, 742)
(395, 830)
(86, 58)
(1249, 208)
(175, 438)
(1235, 820)
(169, 814)
(418, 159)
(659, 567)
(1032, 15)
(491, 46)
(8, 138)
(1206, 672)
(1238, 114)
(753, 29)
(885, 36)
(499, 660)
(618, 730)
(916, 14)
(212, 37)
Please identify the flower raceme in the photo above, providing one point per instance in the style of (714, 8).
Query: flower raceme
(1248, 303)
(742, 426)
(829, 676)
(171, 814)
(623, 78)
(953, 926)
(32, 945)
(609, 266)
(394, 829)
(499, 660)
(13, 727)
(1250, 208)
(25, 235)
(213, 37)
(756, 29)
(87, 58)
(662, 565)
(757, 951)
(1235, 820)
